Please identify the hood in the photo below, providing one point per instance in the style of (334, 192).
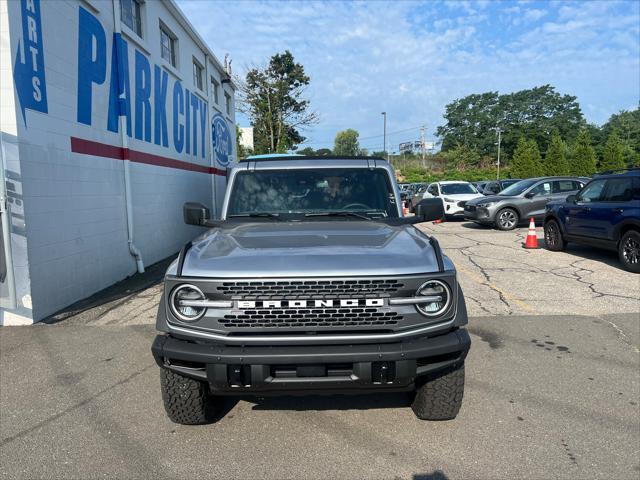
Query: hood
(306, 249)
(463, 196)
(490, 198)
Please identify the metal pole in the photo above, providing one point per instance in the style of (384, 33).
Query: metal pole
(499, 139)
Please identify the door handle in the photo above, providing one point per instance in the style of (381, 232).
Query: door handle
(618, 210)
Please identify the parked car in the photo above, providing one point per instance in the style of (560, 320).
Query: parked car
(522, 200)
(494, 187)
(417, 195)
(454, 195)
(480, 185)
(604, 214)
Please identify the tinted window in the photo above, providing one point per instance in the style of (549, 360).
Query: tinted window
(508, 183)
(312, 191)
(561, 186)
(592, 192)
(517, 188)
(433, 190)
(542, 189)
(618, 190)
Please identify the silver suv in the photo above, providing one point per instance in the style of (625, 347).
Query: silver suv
(311, 282)
(522, 200)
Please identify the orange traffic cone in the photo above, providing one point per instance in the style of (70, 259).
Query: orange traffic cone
(532, 238)
(405, 211)
(440, 220)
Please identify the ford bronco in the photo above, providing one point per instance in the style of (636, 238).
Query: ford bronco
(311, 282)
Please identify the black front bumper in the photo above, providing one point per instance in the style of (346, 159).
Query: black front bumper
(238, 370)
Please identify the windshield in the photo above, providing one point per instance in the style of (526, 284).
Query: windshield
(517, 188)
(457, 189)
(313, 191)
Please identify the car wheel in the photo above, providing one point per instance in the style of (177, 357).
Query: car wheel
(553, 239)
(440, 397)
(629, 251)
(186, 401)
(507, 219)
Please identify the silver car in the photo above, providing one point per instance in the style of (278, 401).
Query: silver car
(522, 200)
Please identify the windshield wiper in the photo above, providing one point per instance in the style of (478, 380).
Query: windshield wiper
(255, 215)
(338, 214)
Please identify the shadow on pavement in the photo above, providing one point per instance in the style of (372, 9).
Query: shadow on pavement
(332, 402)
(115, 294)
(435, 475)
(584, 252)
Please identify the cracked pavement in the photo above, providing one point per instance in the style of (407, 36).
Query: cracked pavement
(499, 277)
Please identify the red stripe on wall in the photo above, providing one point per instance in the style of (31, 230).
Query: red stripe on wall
(89, 147)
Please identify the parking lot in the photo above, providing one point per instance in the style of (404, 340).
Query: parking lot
(553, 387)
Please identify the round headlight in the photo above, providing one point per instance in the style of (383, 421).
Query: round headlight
(181, 303)
(441, 298)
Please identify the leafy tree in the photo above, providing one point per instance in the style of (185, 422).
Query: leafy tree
(583, 155)
(346, 143)
(379, 153)
(532, 113)
(555, 160)
(324, 152)
(627, 125)
(526, 162)
(242, 151)
(613, 154)
(461, 158)
(307, 151)
(272, 97)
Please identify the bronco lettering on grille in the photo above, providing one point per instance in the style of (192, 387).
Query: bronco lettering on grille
(348, 302)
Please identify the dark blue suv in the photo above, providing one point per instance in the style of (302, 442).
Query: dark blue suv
(605, 213)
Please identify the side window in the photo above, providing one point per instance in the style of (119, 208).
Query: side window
(542, 189)
(592, 192)
(433, 190)
(493, 187)
(577, 185)
(618, 190)
(561, 186)
(636, 188)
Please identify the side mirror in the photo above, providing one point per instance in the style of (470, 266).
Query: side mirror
(430, 209)
(572, 199)
(195, 214)
(529, 195)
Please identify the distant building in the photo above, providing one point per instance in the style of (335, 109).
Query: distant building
(246, 137)
(114, 113)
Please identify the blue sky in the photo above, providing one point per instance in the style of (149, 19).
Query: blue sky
(412, 58)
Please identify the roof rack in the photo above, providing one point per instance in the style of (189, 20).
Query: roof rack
(620, 170)
(270, 158)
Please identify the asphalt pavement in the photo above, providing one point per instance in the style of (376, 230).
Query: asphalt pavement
(552, 388)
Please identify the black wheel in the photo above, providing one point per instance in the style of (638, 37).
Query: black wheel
(187, 401)
(553, 238)
(507, 219)
(440, 398)
(629, 251)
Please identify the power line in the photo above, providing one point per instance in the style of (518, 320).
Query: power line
(307, 144)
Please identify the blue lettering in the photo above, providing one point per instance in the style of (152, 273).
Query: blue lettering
(143, 96)
(178, 109)
(203, 126)
(119, 105)
(90, 70)
(195, 103)
(160, 80)
(187, 117)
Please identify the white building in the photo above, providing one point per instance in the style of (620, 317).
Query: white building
(246, 137)
(114, 113)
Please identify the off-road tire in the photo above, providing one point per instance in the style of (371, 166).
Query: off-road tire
(553, 239)
(512, 213)
(440, 397)
(187, 401)
(628, 251)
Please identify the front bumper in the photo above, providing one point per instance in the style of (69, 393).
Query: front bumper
(238, 370)
(479, 214)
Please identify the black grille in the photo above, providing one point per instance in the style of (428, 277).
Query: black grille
(470, 208)
(309, 288)
(310, 317)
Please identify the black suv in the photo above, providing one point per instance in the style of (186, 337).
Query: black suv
(605, 213)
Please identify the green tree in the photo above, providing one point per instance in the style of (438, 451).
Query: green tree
(346, 143)
(526, 162)
(532, 113)
(272, 98)
(324, 152)
(307, 151)
(613, 154)
(461, 158)
(242, 151)
(583, 155)
(627, 125)
(555, 159)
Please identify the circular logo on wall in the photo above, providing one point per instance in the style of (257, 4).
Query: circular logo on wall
(221, 138)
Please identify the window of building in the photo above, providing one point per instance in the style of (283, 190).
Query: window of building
(227, 102)
(215, 87)
(168, 45)
(130, 15)
(197, 74)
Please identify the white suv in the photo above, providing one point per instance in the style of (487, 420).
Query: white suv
(454, 195)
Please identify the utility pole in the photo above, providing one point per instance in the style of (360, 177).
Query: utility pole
(499, 140)
(422, 144)
(384, 114)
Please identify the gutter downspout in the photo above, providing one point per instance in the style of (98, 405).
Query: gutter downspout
(133, 250)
